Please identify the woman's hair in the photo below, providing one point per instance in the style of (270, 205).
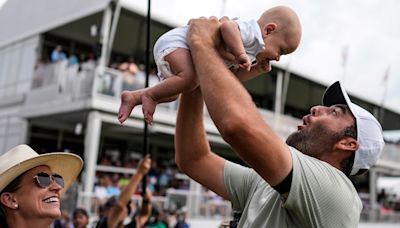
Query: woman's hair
(11, 187)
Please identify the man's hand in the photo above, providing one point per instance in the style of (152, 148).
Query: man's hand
(204, 33)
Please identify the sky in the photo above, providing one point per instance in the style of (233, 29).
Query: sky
(367, 30)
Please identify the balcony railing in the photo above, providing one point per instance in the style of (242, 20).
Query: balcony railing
(87, 81)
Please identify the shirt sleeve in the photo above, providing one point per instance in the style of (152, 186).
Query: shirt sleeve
(245, 32)
(239, 183)
(321, 195)
(251, 36)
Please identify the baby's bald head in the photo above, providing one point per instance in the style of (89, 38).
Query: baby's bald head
(287, 23)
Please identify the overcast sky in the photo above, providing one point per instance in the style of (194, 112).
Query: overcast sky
(368, 29)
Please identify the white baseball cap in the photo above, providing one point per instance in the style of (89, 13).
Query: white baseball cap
(369, 131)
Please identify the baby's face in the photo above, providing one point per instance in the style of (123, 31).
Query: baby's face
(276, 44)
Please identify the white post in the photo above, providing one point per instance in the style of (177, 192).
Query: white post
(278, 100)
(105, 35)
(194, 198)
(92, 139)
(372, 195)
(104, 40)
(113, 29)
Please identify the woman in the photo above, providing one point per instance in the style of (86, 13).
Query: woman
(31, 186)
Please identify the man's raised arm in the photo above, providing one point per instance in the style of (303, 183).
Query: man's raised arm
(232, 109)
(192, 151)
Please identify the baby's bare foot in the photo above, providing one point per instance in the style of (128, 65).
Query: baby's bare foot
(148, 108)
(129, 99)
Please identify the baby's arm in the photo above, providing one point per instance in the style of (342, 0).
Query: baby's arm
(256, 69)
(231, 35)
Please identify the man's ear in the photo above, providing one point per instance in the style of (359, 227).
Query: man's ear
(8, 200)
(269, 28)
(347, 143)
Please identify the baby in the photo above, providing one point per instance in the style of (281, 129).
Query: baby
(277, 32)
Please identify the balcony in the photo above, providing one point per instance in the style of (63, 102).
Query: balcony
(57, 87)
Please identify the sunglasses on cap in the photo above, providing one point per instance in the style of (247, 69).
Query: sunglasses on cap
(45, 179)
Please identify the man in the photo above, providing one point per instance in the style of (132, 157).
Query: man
(304, 184)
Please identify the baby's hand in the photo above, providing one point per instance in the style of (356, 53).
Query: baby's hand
(262, 67)
(244, 61)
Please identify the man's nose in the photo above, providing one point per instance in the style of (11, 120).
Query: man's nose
(316, 110)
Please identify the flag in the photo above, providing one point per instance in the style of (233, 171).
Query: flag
(385, 76)
(345, 52)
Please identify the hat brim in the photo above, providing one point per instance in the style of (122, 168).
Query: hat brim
(335, 94)
(65, 164)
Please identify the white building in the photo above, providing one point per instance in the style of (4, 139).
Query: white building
(56, 106)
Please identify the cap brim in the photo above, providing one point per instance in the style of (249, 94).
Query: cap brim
(335, 94)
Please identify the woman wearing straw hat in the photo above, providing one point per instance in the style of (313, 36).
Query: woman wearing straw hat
(31, 186)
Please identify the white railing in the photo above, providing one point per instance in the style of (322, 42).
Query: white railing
(209, 206)
(74, 81)
(391, 152)
(80, 82)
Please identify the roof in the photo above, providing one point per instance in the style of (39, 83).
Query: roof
(34, 17)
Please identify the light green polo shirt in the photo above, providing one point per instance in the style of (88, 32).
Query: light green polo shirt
(320, 196)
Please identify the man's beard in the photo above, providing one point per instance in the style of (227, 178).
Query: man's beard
(314, 140)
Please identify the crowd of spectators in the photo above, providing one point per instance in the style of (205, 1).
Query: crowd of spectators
(163, 175)
(109, 185)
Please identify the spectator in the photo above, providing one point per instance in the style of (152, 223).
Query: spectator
(100, 190)
(73, 60)
(31, 186)
(80, 218)
(156, 219)
(118, 208)
(57, 54)
(129, 66)
(64, 221)
(181, 223)
(129, 70)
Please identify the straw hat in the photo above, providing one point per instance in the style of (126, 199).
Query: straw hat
(23, 158)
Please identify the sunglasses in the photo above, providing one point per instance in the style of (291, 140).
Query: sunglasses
(45, 179)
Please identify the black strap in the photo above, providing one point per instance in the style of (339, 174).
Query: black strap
(235, 221)
(284, 186)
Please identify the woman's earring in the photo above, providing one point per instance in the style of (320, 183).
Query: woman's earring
(16, 206)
